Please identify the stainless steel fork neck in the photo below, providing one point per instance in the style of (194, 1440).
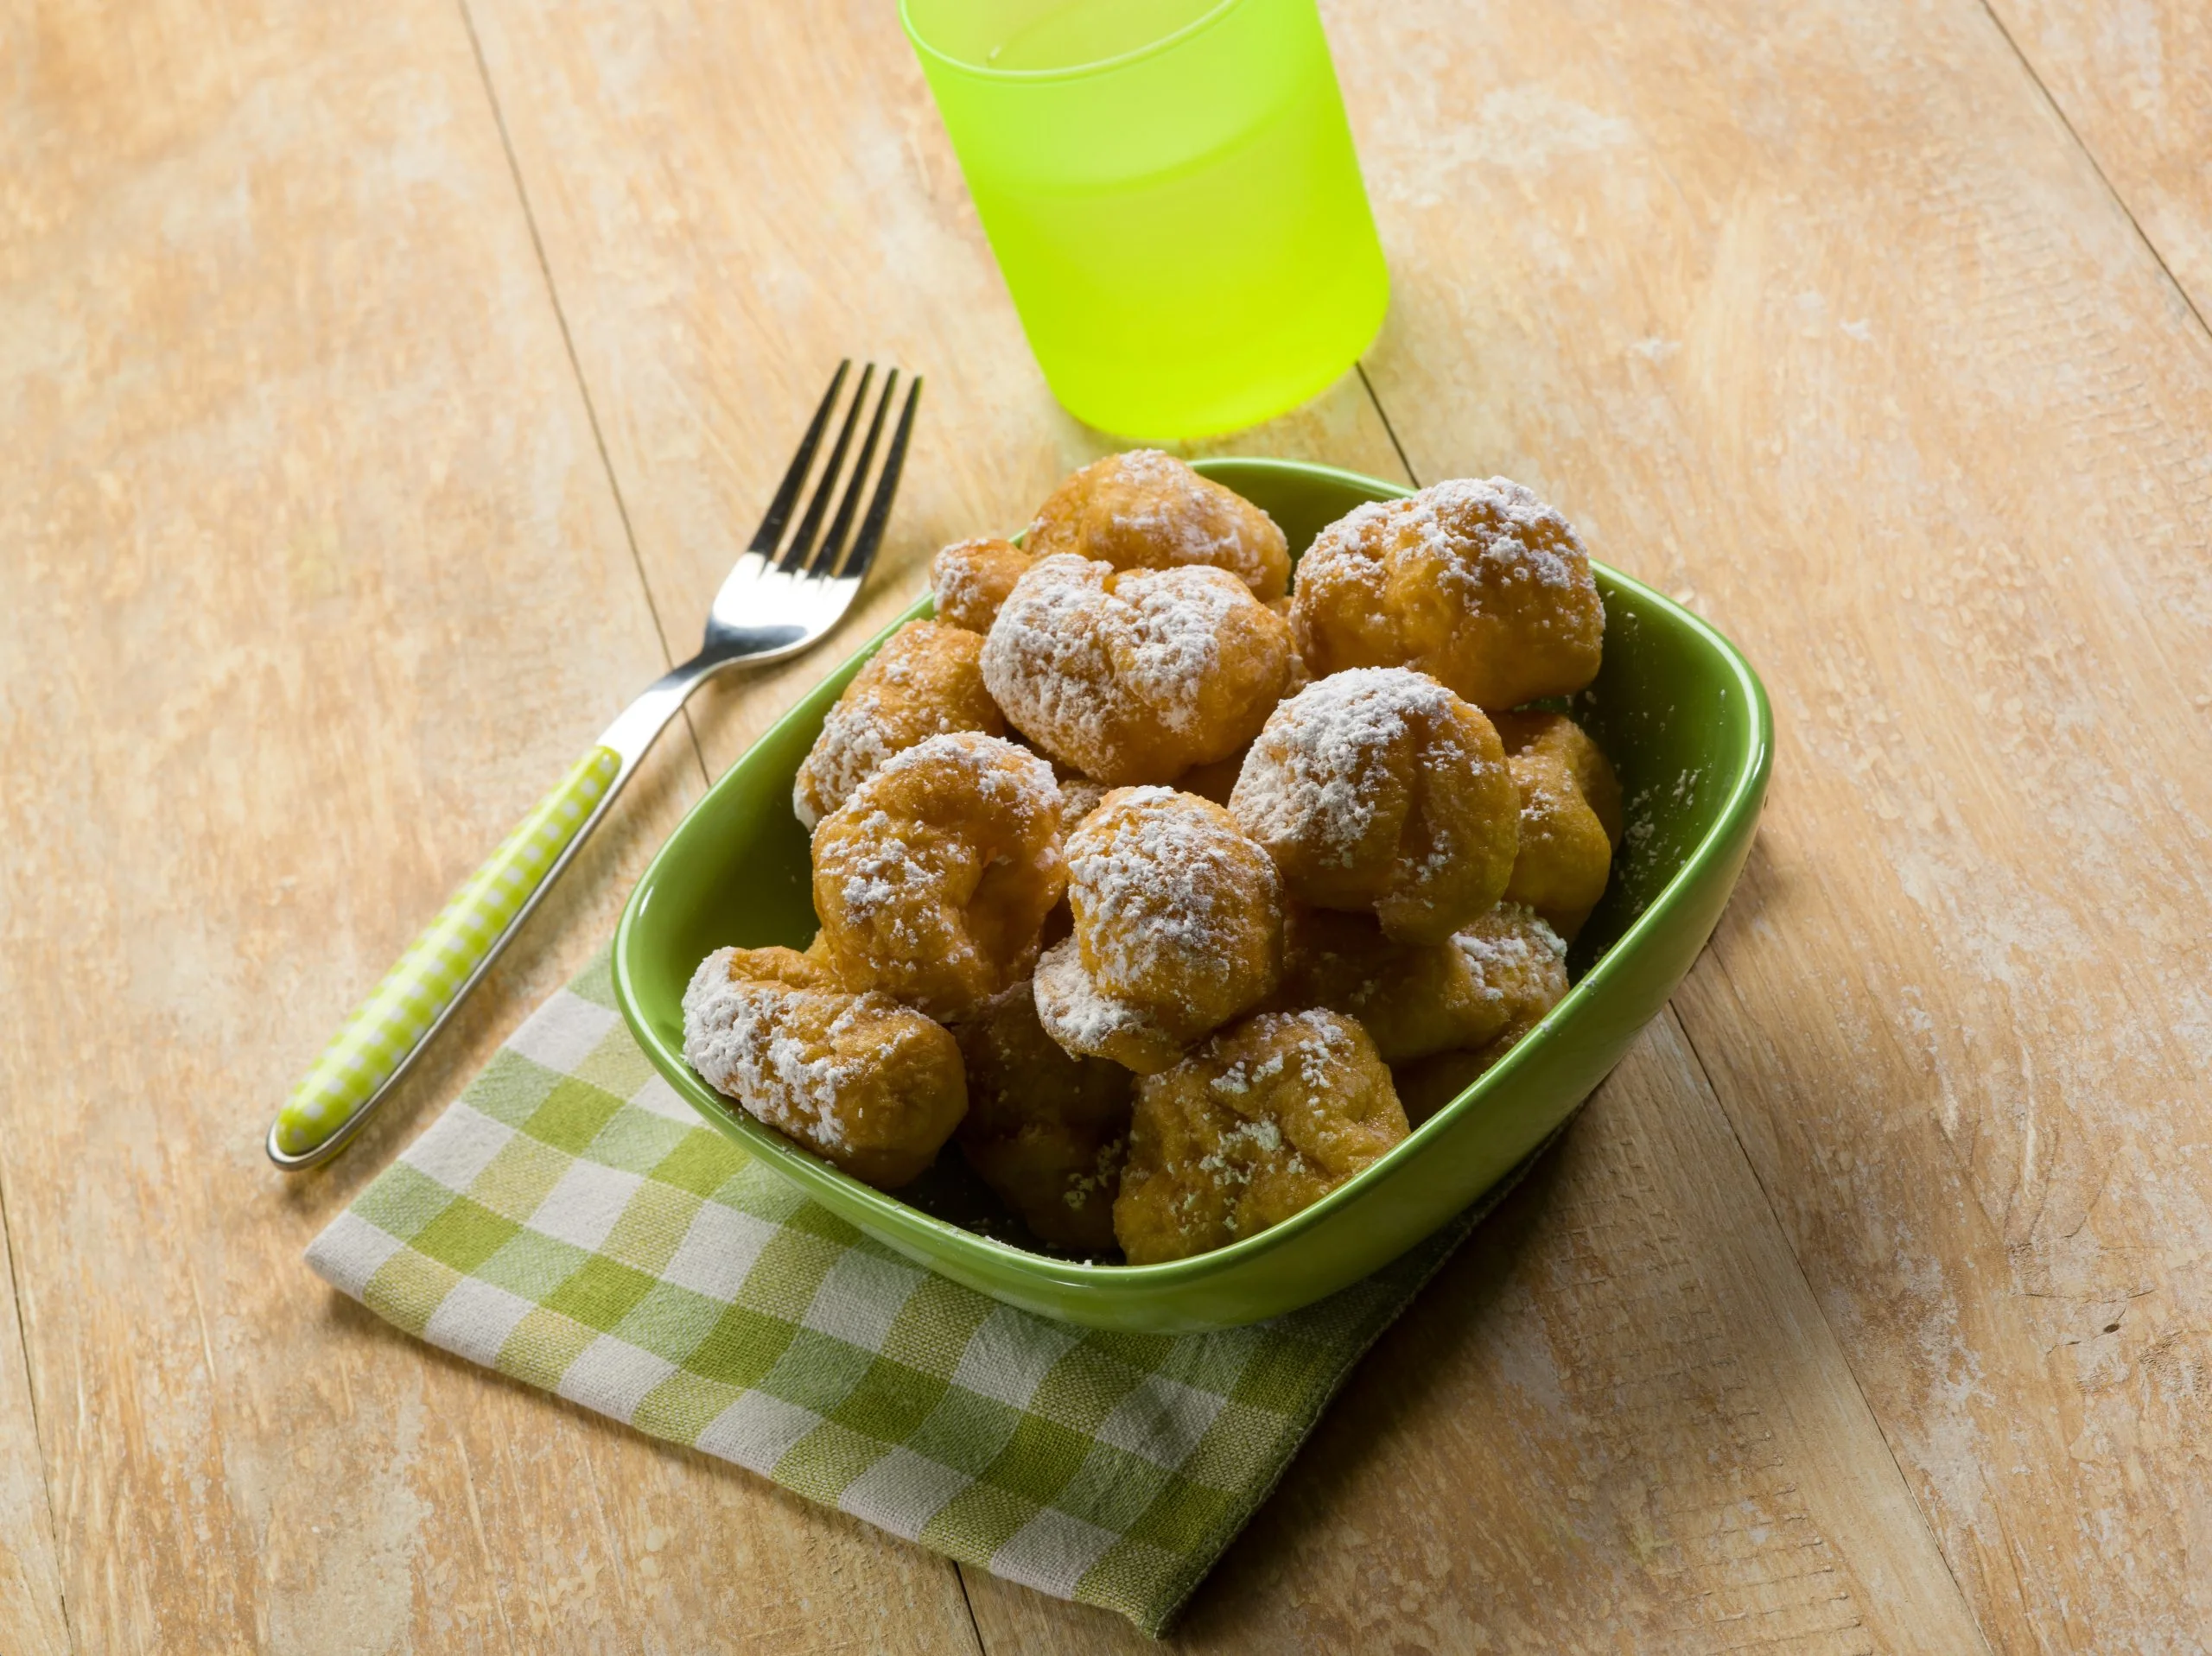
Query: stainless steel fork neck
(637, 725)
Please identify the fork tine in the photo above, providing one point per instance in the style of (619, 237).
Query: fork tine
(795, 555)
(824, 560)
(879, 508)
(780, 510)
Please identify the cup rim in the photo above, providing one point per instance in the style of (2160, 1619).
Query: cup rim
(1074, 72)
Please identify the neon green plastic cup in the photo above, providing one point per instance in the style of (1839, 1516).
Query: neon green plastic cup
(1171, 190)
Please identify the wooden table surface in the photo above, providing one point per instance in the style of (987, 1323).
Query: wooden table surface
(383, 389)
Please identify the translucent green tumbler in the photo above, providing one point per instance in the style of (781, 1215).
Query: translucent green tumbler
(1171, 190)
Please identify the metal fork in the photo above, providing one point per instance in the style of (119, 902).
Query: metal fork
(782, 596)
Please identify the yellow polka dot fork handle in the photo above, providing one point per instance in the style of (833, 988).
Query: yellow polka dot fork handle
(787, 591)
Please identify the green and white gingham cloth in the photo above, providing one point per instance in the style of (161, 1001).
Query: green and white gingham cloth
(571, 1221)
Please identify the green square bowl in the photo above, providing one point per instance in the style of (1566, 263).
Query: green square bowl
(1684, 720)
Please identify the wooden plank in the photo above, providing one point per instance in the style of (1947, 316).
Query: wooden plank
(1616, 1421)
(315, 580)
(32, 1620)
(1817, 315)
(730, 200)
(2134, 81)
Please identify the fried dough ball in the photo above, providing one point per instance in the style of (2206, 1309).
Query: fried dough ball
(970, 579)
(1079, 796)
(1378, 787)
(925, 680)
(1478, 584)
(1178, 928)
(1044, 1129)
(1520, 962)
(933, 878)
(1498, 976)
(1217, 778)
(795, 968)
(1135, 677)
(1570, 817)
(1145, 510)
(862, 1082)
(1426, 1085)
(1261, 1121)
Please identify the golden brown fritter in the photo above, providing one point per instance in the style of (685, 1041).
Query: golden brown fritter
(1135, 677)
(1480, 585)
(1570, 817)
(1501, 974)
(933, 880)
(1145, 510)
(1378, 788)
(970, 579)
(1044, 1129)
(927, 679)
(1426, 1085)
(1259, 1123)
(862, 1082)
(1529, 985)
(1178, 924)
(1518, 963)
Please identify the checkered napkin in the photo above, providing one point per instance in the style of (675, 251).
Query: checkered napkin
(572, 1222)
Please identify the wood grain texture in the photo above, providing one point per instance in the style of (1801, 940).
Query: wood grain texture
(2133, 78)
(1616, 1421)
(32, 1621)
(730, 200)
(315, 577)
(314, 580)
(1817, 315)
(652, 188)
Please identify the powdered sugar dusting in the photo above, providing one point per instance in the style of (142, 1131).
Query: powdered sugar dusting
(917, 685)
(739, 1036)
(1175, 635)
(883, 874)
(1508, 950)
(998, 770)
(1044, 659)
(1240, 1153)
(957, 583)
(970, 579)
(1079, 653)
(852, 745)
(1078, 1014)
(1159, 871)
(1319, 1041)
(1188, 537)
(891, 876)
(1314, 776)
(1481, 532)
(1520, 537)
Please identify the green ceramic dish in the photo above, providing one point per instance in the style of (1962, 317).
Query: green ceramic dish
(1685, 723)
